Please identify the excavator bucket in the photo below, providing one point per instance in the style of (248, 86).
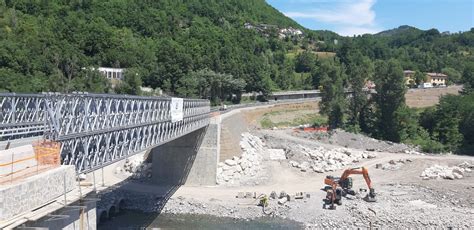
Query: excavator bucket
(370, 198)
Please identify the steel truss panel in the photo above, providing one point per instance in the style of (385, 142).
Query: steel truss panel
(21, 114)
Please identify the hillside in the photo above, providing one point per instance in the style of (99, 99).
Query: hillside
(49, 43)
(400, 31)
(195, 48)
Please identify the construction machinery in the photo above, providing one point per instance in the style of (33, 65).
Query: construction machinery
(341, 186)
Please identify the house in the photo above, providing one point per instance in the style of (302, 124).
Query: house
(248, 26)
(436, 79)
(369, 84)
(409, 77)
(112, 73)
(289, 32)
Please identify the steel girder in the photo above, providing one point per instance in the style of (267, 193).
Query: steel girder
(99, 129)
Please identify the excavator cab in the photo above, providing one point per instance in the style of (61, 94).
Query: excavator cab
(346, 183)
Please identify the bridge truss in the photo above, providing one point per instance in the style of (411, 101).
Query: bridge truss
(97, 129)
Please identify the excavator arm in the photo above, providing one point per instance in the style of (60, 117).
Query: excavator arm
(364, 171)
(342, 182)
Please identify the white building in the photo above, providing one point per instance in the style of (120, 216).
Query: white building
(289, 32)
(112, 73)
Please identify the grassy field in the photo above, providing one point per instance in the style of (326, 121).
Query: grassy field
(292, 54)
(291, 118)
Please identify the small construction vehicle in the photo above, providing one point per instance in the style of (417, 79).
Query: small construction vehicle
(340, 186)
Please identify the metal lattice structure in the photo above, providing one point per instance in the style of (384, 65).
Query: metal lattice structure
(21, 115)
(96, 130)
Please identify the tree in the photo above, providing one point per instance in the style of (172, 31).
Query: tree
(131, 83)
(359, 70)
(419, 78)
(333, 102)
(454, 76)
(390, 97)
(305, 62)
(91, 81)
(468, 78)
(208, 84)
(448, 117)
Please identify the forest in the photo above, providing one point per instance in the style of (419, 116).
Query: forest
(201, 49)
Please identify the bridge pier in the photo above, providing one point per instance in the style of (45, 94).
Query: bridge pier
(191, 159)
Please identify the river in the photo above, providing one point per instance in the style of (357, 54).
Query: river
(139, 220)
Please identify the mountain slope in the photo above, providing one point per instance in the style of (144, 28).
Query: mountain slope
(400, 31)
(49, 42)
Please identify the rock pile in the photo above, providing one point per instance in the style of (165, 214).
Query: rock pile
(322, 159)
(451, 173)
(393, 165)
(135, 168)
(413, 152)
(233, 171)
(357, 141)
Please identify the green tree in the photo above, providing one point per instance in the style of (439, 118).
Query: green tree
(333, 101)
(454, 76)
(208, 84)
(419, 78)
(448, 118)
(468, 78)
(131, 83)
(91, 81)
(390, 98)
(305, 61)
(360, 70)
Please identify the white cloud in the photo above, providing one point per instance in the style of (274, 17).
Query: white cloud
(354, 30)
(349, 17)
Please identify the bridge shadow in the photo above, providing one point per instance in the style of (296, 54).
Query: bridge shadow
(144, 201)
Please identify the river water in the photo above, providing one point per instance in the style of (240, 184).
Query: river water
(139, 220)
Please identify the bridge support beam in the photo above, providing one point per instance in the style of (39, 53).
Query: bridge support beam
(191, 159)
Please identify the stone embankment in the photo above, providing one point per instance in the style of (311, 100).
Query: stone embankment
(253, 163)
(242, 169)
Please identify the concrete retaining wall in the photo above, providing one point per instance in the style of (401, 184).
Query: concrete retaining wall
(172, 161)
(204, 169)
(80, 215)
(35, 191)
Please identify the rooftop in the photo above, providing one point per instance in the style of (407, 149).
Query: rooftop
(436, 75)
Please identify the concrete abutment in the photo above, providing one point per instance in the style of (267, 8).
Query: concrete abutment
(191, 159)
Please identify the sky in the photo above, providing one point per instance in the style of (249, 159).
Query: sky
(354, 17)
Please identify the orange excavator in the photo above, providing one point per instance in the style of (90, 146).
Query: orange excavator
(340, 186)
